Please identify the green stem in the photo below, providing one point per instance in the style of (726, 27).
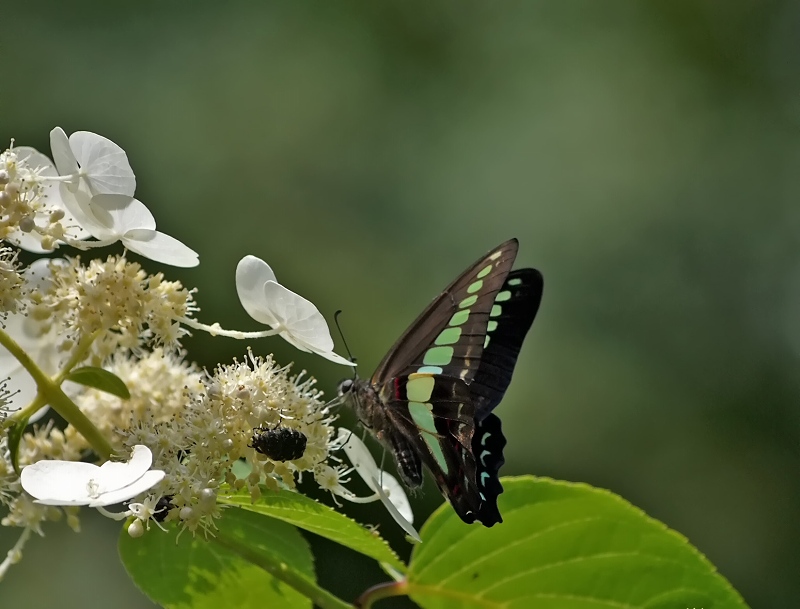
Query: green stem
(78, 354)
(52, 394)
(381, 591)
(25, 413)
(281, 571)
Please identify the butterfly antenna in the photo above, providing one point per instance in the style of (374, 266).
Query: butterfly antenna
(346, 347)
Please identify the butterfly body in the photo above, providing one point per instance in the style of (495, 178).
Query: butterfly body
(430, 400)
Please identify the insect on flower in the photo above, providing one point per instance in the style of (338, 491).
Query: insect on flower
(280, 443)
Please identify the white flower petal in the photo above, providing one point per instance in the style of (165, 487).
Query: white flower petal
(304, 326)
(392, 494)
(103, 164)
(76, 483)
(113, 475)
(78, 202)
(395, 513)
(396, 495)
(251, 275)
(359, 455)
(58, 482)
(121, 213)
(143, 484)
(65, 160)
(160, 247)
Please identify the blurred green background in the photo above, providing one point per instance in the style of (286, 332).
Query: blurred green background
(645, 154)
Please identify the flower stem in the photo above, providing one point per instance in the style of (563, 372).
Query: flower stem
(381, 591)
(281, 571)
(58, 400)
(215, 329)
(78, 354)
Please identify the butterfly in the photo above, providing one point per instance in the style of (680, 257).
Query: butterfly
(280, 443)
(430, 401)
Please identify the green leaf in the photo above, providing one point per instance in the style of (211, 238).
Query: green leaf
(14, 438)
(225, 570)
(562, 546)
(317, 518)
(100, 379)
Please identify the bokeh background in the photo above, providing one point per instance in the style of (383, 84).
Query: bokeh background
(645, 154)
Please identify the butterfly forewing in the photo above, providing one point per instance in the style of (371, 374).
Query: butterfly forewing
(447, 338)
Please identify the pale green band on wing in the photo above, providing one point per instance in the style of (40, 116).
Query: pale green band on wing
(484, 271)
(486, 341)
(429, 370)
(438, 356)
(515, 281)
(419, 388)
(474, 287)
(459, 317)
(468, 301)
(492, 326)
(496, 311)
(422, 414)
(503, 296)
(448, 336)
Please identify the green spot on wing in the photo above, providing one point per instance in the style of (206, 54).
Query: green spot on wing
(492, 326)
(474, 287)
(484, 271)
(486, 341)
(459, 318)
(515, 281)
(420, 388)
(496, 311)
(503, 296)
(438, 356)
(423, 417)
(468, 302)
(449, 336)
(422, 414)
(430, 370)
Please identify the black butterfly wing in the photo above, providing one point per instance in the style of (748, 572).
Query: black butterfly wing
(510, 318)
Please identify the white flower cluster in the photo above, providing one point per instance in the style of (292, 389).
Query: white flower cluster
(99, 342)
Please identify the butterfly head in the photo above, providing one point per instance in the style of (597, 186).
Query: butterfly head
(345, 387)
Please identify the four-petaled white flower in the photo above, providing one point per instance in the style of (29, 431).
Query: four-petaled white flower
(296, 319)
(99, 195)
(93, 162)
(53, 482)
(386, 486)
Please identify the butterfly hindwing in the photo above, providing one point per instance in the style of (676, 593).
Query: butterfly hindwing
(487, 447)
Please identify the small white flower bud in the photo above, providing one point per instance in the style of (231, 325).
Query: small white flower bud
(135, 529)
(12, 189)
(186, 513)
(5, 198)
(27, 224)
(208, 496)
(3, 176)
(57, 215)
(227, 444)
(243, 393)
